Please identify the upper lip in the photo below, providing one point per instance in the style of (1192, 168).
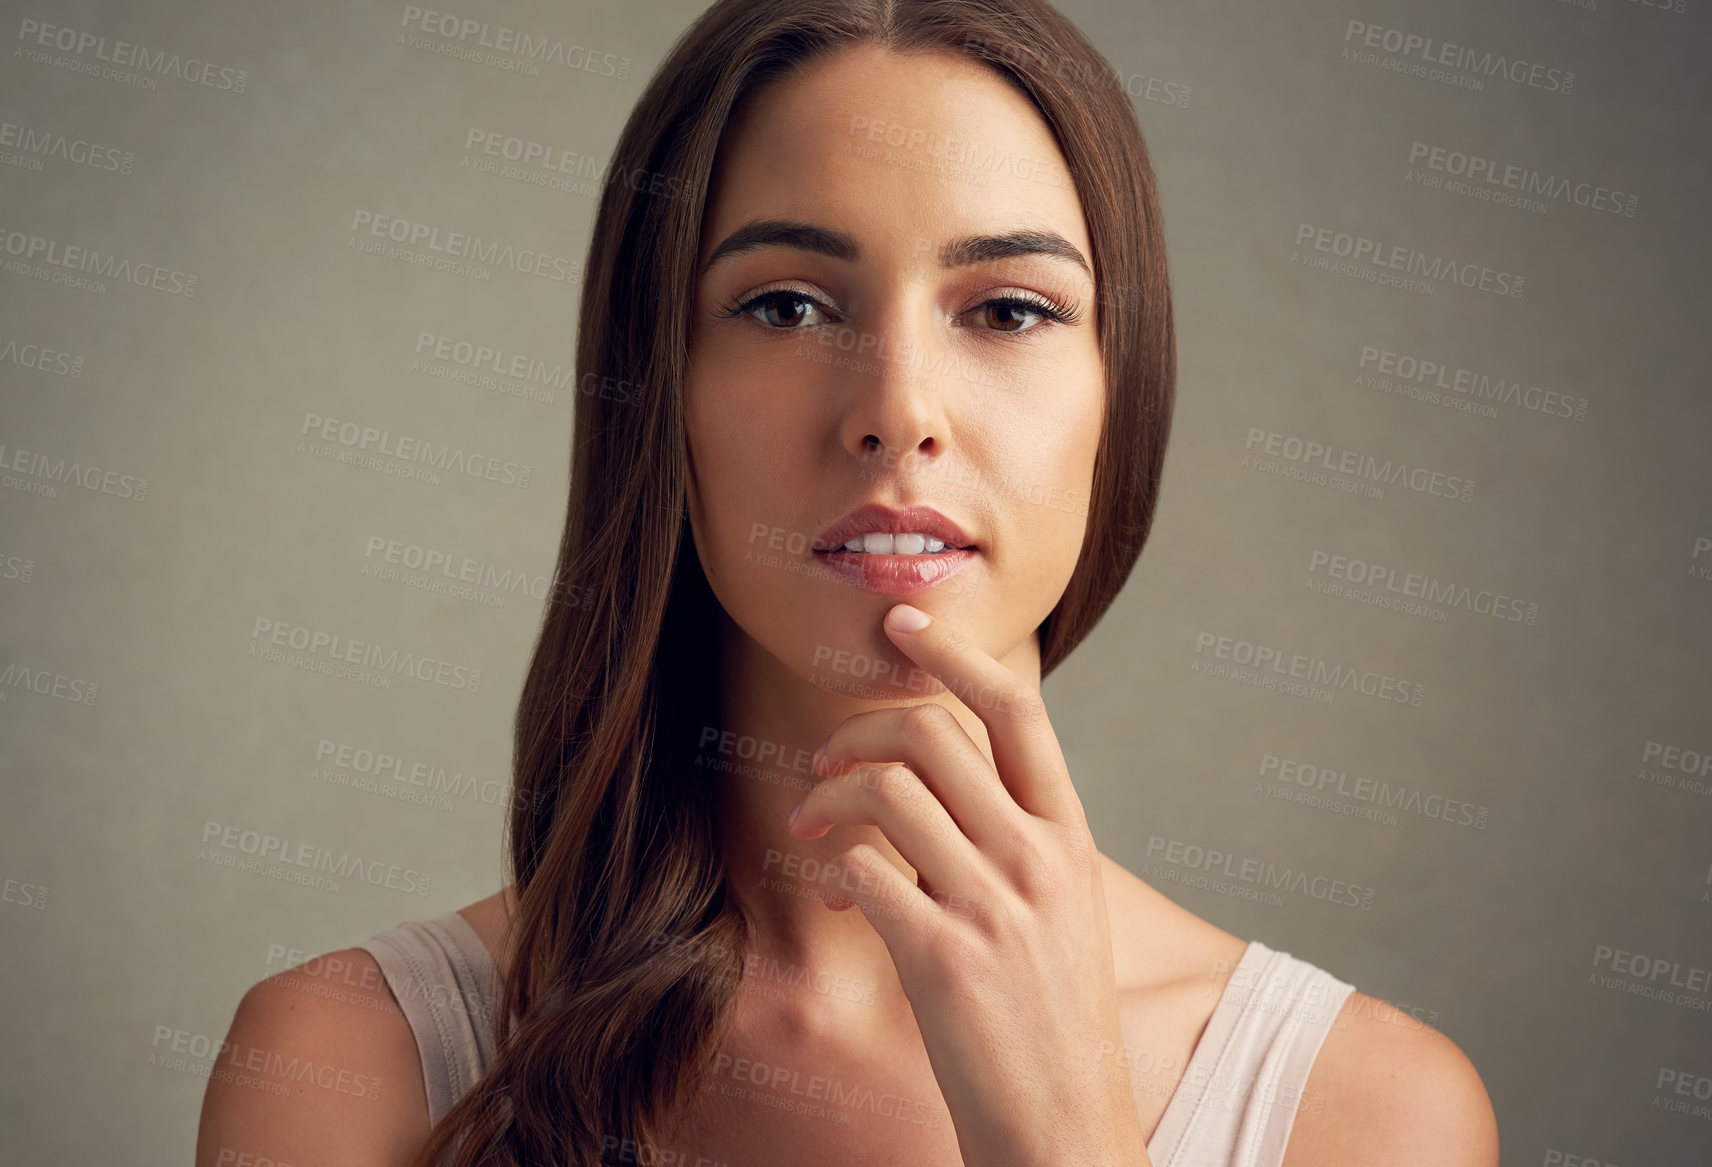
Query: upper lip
(877, 517)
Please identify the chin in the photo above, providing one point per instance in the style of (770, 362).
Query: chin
(836, 644)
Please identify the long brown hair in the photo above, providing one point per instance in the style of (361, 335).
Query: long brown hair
(602, 1037)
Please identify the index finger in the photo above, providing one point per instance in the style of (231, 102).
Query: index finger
(1025, 750)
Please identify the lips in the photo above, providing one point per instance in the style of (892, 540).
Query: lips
(875, 517)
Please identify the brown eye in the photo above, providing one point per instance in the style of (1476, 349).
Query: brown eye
(783, 310)
(1005, 315)
(788, 317)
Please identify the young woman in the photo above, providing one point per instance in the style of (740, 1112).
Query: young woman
(877, 350)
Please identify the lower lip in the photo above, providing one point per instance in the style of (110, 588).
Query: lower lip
(896, 575)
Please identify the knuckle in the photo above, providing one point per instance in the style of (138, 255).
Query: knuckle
(850, 783)
(856, 867)
(1033, 871)
(893, 784)
(954, 955)
(1001, 917)
(929, 719)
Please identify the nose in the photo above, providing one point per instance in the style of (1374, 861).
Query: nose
(897, 397)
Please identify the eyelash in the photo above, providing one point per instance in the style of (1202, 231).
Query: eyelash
(1032, 301)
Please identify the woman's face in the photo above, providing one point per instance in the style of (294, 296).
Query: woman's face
(887, 335)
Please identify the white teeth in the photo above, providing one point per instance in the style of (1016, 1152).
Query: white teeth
(907, 543)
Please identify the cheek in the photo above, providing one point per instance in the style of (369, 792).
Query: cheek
(744, 481)
(711, 488)
(1048, 486)
(1053, 456)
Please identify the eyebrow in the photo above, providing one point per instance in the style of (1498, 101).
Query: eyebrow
(964, 252)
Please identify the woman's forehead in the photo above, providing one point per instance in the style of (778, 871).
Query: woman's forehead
(906, 152)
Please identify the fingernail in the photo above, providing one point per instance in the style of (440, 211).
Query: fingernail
(819, 753)
(794, 811)
(904, 618)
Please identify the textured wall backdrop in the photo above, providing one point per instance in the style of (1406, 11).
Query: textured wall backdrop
(1427, 610)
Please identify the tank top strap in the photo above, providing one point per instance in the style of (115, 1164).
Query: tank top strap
(445, 981)
(1240, 1092)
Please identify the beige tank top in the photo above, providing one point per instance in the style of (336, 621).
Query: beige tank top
(1233, 1107)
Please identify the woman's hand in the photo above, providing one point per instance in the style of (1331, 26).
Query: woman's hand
(1003, 946)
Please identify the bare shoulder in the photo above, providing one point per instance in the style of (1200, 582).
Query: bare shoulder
(319, 1066)
(1384, 1088)
(1387, 1088)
